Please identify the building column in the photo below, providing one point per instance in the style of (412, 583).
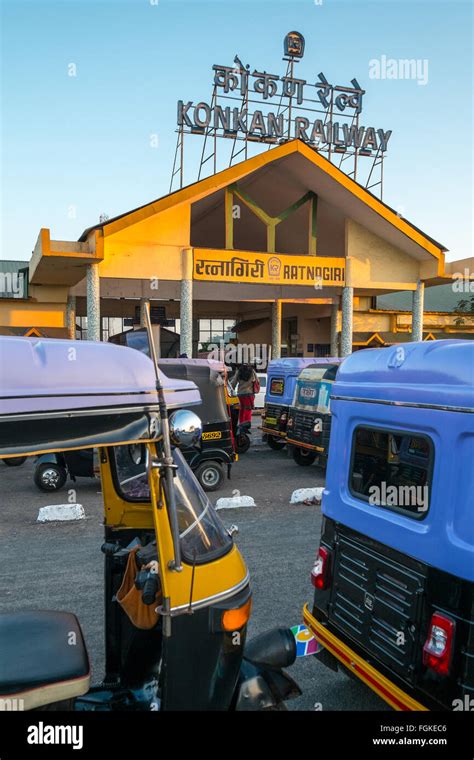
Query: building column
(334, 350)
(144, 305)
(71, 317)
(347, 318)
(276, 329)
(93, 302)
(186, 304)
(417, 311)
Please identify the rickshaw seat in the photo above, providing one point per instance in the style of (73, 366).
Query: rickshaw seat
(43, 659)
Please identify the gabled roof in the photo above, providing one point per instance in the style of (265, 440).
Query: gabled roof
(354, 195)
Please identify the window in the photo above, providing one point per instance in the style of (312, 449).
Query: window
(203, 536)
(277, 386)
(215, 331)
(392, 470)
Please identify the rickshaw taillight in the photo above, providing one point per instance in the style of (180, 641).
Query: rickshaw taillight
(438, 648)
(320, 574)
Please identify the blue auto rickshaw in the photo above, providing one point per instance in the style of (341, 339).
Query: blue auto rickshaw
(309, 417)
(394, 573)
(281, 381)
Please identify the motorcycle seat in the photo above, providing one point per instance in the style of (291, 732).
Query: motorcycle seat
(43, 659)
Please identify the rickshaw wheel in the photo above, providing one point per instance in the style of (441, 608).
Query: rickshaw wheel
(242, 443)
(50, 477)
(210, 475)
(303, 457)
(277, 444)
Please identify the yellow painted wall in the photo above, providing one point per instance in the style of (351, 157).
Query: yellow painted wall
(48, 293)
(14, 313)
(376, 263)
(151, 248)
(364, 322)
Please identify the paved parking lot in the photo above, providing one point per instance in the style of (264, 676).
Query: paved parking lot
(59, 566)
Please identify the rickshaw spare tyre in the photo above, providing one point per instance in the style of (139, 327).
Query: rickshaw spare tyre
(50, 476)
(210, 475)
(277, 444)
(303, 457)
(15, 461)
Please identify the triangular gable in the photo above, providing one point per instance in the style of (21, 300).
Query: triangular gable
(226, 177)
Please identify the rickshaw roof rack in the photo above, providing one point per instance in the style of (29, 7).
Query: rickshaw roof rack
(436, 374)
(63, 394)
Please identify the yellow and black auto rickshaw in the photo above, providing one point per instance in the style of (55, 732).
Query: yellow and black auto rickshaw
(177, 596)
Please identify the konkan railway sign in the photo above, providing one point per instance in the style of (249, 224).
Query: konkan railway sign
(276, 108)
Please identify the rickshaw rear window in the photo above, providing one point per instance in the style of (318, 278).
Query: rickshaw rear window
(277, 386)
(203, 536)
(392, 470)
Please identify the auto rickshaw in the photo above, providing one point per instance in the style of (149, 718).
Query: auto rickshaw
(53, 469)
(309, 416)
(394, 574)
(176, 594)
(216, 449)
(281, 381)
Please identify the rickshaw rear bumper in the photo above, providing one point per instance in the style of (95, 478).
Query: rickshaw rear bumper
(380, 684)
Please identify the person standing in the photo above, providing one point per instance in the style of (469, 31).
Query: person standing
(247, 384)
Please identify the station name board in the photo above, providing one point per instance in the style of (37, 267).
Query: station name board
(274, 109)
(268, 269)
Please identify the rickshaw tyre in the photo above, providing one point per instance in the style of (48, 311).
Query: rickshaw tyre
(242, 443)
(15, 461)
(38, 477)
(303, 459)
(200, 471)
(277, 444)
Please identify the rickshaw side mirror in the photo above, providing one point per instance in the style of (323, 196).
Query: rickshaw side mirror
(185, 428)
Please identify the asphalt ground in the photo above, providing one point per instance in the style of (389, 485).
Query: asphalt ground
(60, 565)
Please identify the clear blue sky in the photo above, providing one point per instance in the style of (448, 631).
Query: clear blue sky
(76, 147)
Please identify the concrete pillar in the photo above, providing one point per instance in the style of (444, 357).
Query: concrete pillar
(144, 305)
(276, 329)
(417, 311)
(71, 317)
(334, 350)
(93, 302)
(186, 304)
(347, 318)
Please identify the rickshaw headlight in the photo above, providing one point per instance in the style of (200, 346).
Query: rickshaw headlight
(185, 428)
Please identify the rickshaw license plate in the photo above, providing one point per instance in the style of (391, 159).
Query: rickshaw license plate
(212, 435)
(271, 420)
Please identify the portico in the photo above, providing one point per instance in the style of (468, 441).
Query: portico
(284, 244)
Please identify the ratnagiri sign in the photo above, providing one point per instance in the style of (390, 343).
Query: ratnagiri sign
(267, 269)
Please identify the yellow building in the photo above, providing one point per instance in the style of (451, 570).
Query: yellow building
(284, 245)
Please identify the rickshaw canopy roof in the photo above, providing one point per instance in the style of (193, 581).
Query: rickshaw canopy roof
(289, 366)
(60, 394)
(437, 373)
(282, 374)
(317, 372)
(208, 375)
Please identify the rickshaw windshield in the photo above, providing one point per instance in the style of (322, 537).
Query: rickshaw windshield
(203, 537)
